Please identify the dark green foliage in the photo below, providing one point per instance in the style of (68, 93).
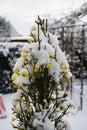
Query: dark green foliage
(8, 56)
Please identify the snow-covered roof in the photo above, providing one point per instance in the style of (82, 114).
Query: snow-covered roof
(19, 39)
(13, 31)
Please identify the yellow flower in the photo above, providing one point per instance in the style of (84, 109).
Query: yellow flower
(16, 100)
(72, 106)
(18, 90)
(64, 66)
(41, 69)
(27, 109)
(67, 76)
(30, 40)
(36, 69)
(34, 36)
(24, 56)
(25, 74)
(46, 105)
(51, 55)
(58, 110)
(64, 109)
(14, 77)
(16, 70)
(49, 65)
(24, 51)
(16, 109)
(67, 113)
(17, 84)
(63, 81)
(32, 30)
(13, 119)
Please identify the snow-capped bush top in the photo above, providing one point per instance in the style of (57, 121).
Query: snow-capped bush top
(41, 54)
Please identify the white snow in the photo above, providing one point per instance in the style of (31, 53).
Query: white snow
(5, 124)
(77, 121)
(40, 125)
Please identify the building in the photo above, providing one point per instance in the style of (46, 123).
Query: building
(7, 31)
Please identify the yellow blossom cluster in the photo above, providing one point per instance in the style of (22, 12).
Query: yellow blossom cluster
(64, 73)
(51, 55)
(48, 65)
(24, 54)
(26, 75)
(64, 66)
(33, 36)
(16, 71)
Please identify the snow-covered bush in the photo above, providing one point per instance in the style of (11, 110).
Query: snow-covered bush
(9, 52)
(39, 102)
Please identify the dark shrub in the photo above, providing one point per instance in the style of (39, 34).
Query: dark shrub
(9, 52)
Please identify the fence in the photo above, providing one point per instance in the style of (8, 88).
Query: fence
(73, 41)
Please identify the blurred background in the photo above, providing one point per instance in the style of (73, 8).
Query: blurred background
(22, 13)
(67, 18)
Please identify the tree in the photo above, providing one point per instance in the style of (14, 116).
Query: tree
(4, 29)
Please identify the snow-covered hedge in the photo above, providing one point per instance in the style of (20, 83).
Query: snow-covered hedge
(9, 52)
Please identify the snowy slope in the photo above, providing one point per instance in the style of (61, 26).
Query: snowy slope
(77, 121)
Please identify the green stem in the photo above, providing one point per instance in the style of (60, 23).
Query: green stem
(46, 25)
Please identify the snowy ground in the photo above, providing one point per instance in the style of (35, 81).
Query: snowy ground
(77, 121)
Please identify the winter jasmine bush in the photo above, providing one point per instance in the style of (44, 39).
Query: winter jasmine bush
(38, 74)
